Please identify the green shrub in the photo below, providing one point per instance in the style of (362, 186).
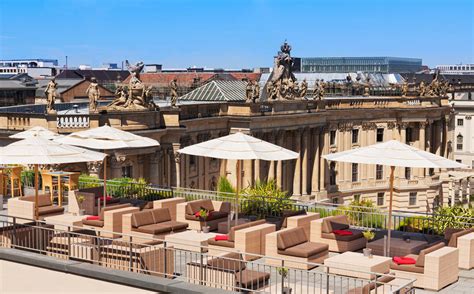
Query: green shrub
(264, 199)
(363, 213)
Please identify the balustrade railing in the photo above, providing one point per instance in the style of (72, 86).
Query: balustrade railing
(72, 121)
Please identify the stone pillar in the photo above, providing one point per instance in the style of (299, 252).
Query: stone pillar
(256, 169)
(177, 163)
(155, 168)
(271, 165)
(421, 144)
(297, 174)
(316, 162)
(168, 167)
(279, 164)
(323, 168)
(306, 136)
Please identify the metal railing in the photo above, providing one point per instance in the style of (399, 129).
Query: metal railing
(188, 263)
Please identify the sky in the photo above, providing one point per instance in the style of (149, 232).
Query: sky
(234, 34)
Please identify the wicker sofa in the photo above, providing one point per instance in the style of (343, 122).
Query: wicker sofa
(151, 224)
(463, 239)
(244, 238)
(92, 197)
(435, 267)
(110, 220)
(24, 207)
(293, 246)
(322, 231)
(219, 212)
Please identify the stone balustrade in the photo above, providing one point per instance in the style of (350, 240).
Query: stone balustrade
(72, 121)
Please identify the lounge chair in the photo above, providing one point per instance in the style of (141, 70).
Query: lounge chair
(293, 246)
(435, 267)
(463, 239)
(322, 230)
(24, 207)
(110, 220)
(219, 211)
(169, 203)
(92, 196)
(245, 238)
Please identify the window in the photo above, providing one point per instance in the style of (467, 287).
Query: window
(407, 173)
(355, 136)
(380, 198)
(192, 160)
(379, 172)
(332, 174)
(127, 171)
(380, 135)
(355, 172)
(459, 160)
(460, 122)
(357, 197)
(412, 199)
(409, 135)
(459, 141)
(332, 138)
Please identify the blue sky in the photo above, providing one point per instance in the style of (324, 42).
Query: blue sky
(234, 34)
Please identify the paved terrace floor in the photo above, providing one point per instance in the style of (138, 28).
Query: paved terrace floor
(465, 284)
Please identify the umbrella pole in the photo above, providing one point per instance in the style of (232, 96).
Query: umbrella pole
(237, 194)
(36, 193)
(389, 233)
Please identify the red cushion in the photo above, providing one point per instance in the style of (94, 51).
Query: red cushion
(108, 198)
(221, 238)
(92, 217)
(197, 214)
(342, 232)
(403, 260)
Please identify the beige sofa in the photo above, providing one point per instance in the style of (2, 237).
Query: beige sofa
(185, 212)
(293, 246)
(244, 238)
(170, 203)
(463, 239)
(24, 207)
(435, 267)
(322, 231)
(110, 220)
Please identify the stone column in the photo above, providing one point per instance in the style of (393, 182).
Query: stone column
(177, 163)
(279, 164)
(323, 169)
(306, 136)
(271, 168)
(316, 162)
(155, 168)
(297, 173)
(422, 144)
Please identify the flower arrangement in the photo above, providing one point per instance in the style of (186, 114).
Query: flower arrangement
(369, 235)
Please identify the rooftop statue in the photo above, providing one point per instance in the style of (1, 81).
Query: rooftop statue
(303, 89)
(94, 95)
(252, 91)
(174, 92)
(51, 96)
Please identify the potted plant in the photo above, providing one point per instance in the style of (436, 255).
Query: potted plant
(80, 199)
(203, 214)
(369, 235)
(283, 272)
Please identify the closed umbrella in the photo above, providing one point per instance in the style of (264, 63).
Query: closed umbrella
(393, 153)
(107, 138)
(36, 132)
(37, 150)
(239, 146)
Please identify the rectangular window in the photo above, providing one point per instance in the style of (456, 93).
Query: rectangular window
(459, 142)
(460, 122)
(412, 200)
(127, 171)
(379, 172)
(380, 198)
(407, 173)
(355, 172)
(409, 135)
(357, 197)
(355, 136)
(332, 138)
(380, 135)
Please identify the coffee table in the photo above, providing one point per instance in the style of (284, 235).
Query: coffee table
(189, 240)
(63, 221)
(398, 247)
(357, 265)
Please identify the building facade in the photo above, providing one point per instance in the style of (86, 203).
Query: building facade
(464, 128)
(456, 68)
(363, 64)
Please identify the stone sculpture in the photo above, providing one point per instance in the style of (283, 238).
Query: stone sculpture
(174, 92)
(252, 91)
(405, 87)
(303, 89)
(255, 92)
(422, 89)
(93, 93)
(367, 86)
(51, 95)
(319, 89)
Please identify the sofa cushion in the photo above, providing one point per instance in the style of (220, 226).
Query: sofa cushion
(305, 250)
(142, 218)
(342, 233)
(403, 260)
(223, 243)
(221, 238)
(195, 206)
(453, 240)
(290, 237)
(407, 267)
(248, 279)
(339, 222)
(244, 226)
(420, 262)
(175, 226)
(225, 207)
(355, 235)
(43, 199)
(213, 215)
(112, 207)
(191, 217)
(154, 229)
(93, 217)
(161, 215)
(50, 210)
(231, 261)
(94, 223)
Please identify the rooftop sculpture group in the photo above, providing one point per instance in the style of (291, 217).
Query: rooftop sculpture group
(51, 96)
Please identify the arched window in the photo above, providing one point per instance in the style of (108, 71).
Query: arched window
(459, 141)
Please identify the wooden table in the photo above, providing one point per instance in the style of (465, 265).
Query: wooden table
(63, 221)
(398, 247)
(189, 240)
(357, 265)
(59, 174)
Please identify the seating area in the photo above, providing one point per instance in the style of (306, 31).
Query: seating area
(218, 212)
(24, 207)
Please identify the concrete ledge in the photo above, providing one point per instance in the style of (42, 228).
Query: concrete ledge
(104, 274)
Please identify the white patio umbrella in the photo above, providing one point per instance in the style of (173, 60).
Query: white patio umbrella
(239, 146)
(37, 150)
(107, 138)
(393, 153)
(36, 132)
